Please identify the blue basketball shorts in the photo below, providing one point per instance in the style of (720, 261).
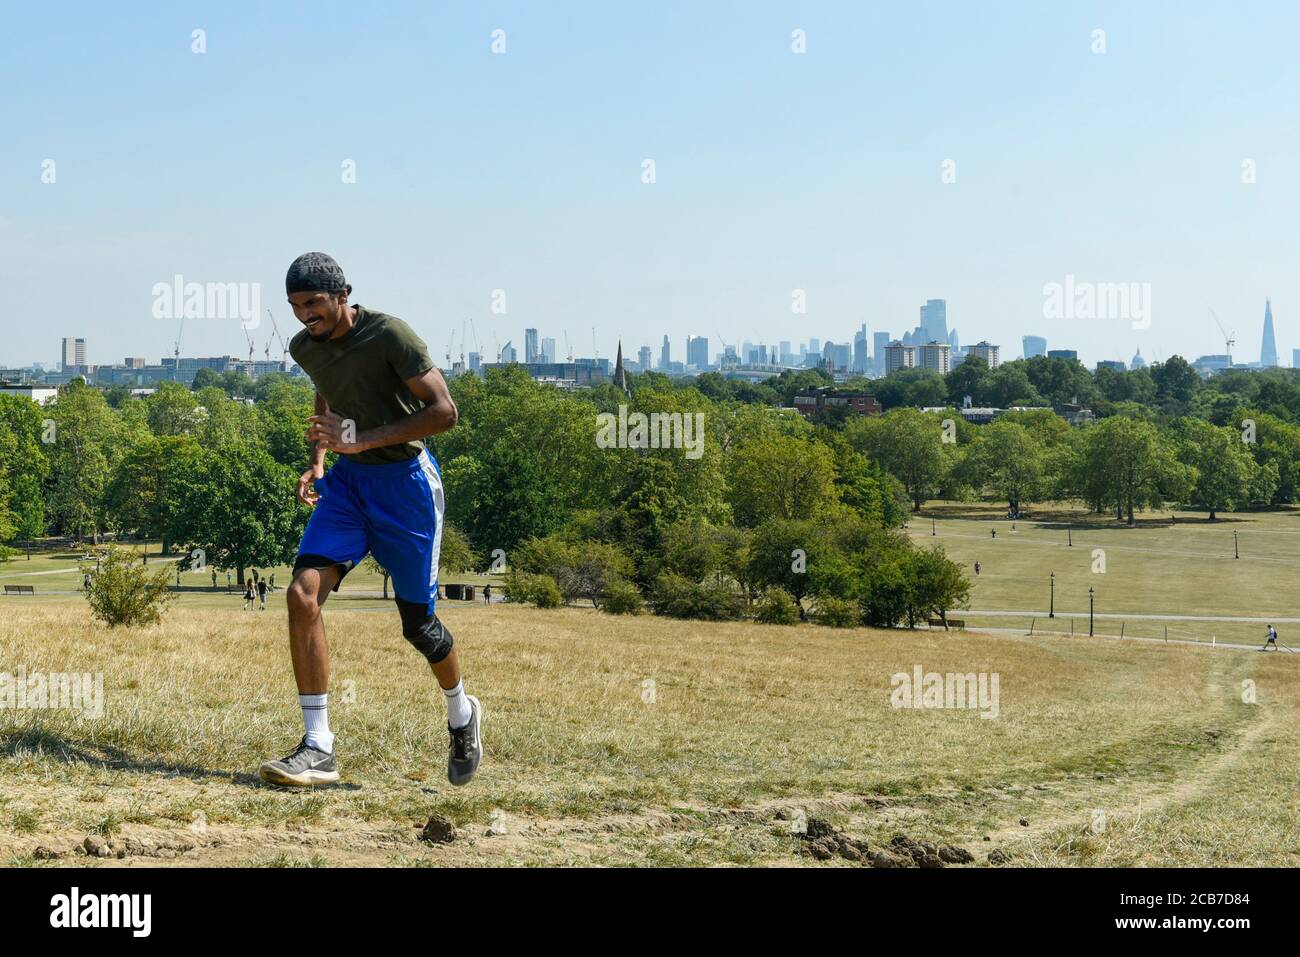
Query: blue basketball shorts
(393, 511)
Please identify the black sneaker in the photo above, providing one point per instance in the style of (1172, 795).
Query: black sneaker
(466, 746)
(305, 768)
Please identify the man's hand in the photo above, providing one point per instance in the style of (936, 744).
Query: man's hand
(335, 433)
(306, 491)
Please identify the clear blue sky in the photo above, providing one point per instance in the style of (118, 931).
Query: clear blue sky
(775, 171)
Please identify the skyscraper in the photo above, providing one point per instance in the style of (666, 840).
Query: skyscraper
(664, 355)
(548, 350)
(860, 350)
(878, 343)
(1033, 346)
(1268, 348)
(530, 345)
(643, 358)
(936, 356)
(899, 356)
(987, 352)
(934, 320)
(697, 351)
(74, 353)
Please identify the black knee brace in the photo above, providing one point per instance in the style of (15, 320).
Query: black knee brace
(424, 631)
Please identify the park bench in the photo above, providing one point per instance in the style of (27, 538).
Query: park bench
(952, 623)
(460, 592)
(20, 590)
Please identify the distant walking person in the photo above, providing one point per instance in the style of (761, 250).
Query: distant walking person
(248, 594)
(1272, 639)
(272, 581)
(977, 569)
(228, 579)
(487, 594)
(214, 579)
(261, 593)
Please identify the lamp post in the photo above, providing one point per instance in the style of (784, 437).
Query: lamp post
(1091, 595)
(1069, 537)
(1235, 552)
(1051, 611)
(934, 532)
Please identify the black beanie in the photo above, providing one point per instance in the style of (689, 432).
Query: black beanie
(314, 272)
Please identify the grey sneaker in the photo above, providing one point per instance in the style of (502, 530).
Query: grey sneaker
(466, 746)
(305, 768)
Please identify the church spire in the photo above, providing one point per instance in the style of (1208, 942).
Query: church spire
(620, 375)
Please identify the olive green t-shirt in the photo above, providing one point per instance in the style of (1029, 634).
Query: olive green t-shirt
(363, 376)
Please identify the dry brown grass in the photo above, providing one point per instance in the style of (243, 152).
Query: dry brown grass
(585, 765)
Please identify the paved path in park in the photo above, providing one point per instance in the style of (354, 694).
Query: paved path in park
(1020, 633)
(1261, 620)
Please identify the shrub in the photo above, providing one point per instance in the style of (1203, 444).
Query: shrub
(836, 613)
(539, 590)
(679, 597)
(586, 571)
(778, 608)
(125, 592)
(622, 598)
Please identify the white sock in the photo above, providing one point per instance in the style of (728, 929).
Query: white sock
(316, 719)
(458, 708)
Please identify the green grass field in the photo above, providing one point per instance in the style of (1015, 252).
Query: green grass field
(648, 741)
(1160, 574)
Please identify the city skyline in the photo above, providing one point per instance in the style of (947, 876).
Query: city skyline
(919, 347)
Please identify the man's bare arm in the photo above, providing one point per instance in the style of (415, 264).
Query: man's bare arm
(438, 415)
(318, 451)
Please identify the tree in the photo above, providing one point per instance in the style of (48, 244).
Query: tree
(1127, 464)
(782, 553)
(1224, 469)
(780, 476)
(971, 378)
(1176, 383)
(82, 455)
(908, 444)
(139, 495)
(24, 468)
(240, 508)
(1008, 460)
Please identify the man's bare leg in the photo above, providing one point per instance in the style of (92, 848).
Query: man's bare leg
(307, 646)
(447, 671)
(313, 761)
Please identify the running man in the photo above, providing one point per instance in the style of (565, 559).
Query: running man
(377, 395)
